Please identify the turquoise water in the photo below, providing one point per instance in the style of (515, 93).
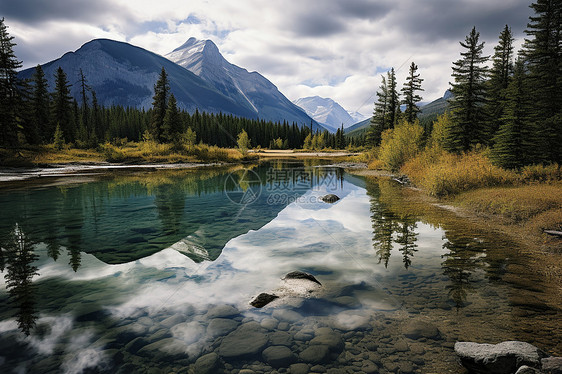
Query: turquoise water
(151, 271)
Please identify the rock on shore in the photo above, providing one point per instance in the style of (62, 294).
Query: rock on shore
(504, 358)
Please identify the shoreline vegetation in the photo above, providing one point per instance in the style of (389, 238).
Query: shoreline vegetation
(152, 152)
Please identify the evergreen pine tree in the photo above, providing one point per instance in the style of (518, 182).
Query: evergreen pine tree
(40, 106)
(9, 97)
(413, 84)
(159, 106)
(171, 126)
(543, 54)
(75, 124)
(62, 106)
(500, 76)
(379, 119)
(468, 120)
(393, 109)
(83, 125)
(514, 141)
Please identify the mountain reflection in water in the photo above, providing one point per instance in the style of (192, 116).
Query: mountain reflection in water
(135, 262)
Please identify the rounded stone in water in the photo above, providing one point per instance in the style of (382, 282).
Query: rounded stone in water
(263, 299)
(330, 198)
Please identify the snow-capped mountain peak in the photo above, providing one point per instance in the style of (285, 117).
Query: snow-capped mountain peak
(194, 54)
(252, 90)
(326, 111)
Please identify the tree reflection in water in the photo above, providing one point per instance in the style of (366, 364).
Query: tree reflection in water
(462, 260)
(394, 220)
(391, 227)
(407, 237)
(17, 261)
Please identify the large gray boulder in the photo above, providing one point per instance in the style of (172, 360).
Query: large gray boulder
(502, 358)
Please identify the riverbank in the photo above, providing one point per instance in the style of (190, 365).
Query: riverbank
(127, 153)
(526, 209)
(77, 170)
(521, 212)
(150, 153)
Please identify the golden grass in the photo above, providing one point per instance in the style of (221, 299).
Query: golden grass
(443, 174)
(517, 204)
(50, 155)
(527, 209)
(127, 152)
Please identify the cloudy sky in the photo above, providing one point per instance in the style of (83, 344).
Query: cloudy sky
(329, 48)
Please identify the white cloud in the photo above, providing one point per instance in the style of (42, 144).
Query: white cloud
(332, 48)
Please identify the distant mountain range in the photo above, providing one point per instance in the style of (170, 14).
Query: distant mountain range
(123, 74)
(428, 112)
(327, 112)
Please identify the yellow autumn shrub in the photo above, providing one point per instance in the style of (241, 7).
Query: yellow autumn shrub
(400, 144)
(441, 173)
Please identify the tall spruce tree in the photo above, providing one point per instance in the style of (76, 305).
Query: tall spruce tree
(387, 109)
(9, 96)
(160, 105)
(83, 125)
(40, 106)
(543, 53)
(393, 109)
(379, 119)
(516, 142)
(340, 138)
(411, 98)
(500, 76)
(172, 126)
(502, 60)
(468, 125)
(62, 112)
